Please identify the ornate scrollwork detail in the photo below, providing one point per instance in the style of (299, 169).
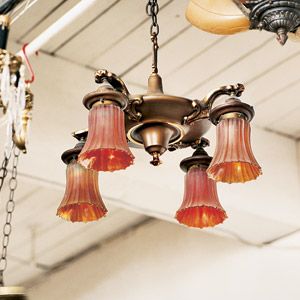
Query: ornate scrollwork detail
(279, 16)
(195, 114)
(201, 142)
(131, 110)
(113, 79)
(230, 90)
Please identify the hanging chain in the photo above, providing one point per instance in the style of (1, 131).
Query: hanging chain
(3, 171)
(10, 206)
(152, 10)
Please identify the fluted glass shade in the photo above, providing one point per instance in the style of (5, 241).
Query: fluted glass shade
(200, 207)
(106, 148)
(233, 160)
(82, 201)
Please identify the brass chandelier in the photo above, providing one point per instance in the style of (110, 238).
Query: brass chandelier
(158, 123)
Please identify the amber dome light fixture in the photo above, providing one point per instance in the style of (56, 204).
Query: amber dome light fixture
(225, 17)
(159, 122)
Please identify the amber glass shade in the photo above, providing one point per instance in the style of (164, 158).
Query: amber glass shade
(106, 148)
(217, 16)
(233, 160)
(82, 201)
(200, 207)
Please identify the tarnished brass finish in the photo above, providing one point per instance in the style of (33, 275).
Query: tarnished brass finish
(111, 90)
(230, 90)
(73, 153)
(156, 136)
(20, 139)
(155, 84)
(169, 110)
(232, 108)
(112, 78)
(200, 158)
(15, 61)
(157, 121)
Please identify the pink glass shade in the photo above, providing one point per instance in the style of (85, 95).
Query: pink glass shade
(233, 160)
(200, 207)
(82, 201)
(106, 148)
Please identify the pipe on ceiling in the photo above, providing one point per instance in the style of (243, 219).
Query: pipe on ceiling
(57, 27)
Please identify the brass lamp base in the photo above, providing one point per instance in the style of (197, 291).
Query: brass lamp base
(167, 111)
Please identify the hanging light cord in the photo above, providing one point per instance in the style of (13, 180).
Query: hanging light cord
(10, 206)
(152, 10)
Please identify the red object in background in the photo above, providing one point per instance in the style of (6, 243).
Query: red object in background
(106, 148)
(200, 207)
(82, 201)
(233, 160)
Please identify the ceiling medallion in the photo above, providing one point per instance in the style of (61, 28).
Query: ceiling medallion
(159, 122)
(232, 16)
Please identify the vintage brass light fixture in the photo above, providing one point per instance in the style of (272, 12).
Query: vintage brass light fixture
(159, 122)
(232, 16)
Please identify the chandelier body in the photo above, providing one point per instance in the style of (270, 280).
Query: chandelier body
(156, 121)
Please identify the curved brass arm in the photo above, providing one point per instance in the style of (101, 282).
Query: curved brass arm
(113, 79)
(230, 90)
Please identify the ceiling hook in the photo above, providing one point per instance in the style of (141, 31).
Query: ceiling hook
(31, 80)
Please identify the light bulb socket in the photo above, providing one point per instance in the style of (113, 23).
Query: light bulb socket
(72, 154)
(111, 90)
(232, 108)
(200, 158)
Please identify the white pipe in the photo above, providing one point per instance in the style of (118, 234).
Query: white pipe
(57, 26)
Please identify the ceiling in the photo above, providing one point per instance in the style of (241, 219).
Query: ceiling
(114, 34)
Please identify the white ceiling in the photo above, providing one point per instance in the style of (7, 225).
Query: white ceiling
(114, 35)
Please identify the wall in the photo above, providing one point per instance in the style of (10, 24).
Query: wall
(165, 261)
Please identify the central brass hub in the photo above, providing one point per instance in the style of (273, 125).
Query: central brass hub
(155, 137)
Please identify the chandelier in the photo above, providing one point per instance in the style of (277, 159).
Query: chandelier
(158, 123)
(232, 16)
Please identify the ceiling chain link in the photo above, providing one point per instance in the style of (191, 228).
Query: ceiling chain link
(152, 10)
